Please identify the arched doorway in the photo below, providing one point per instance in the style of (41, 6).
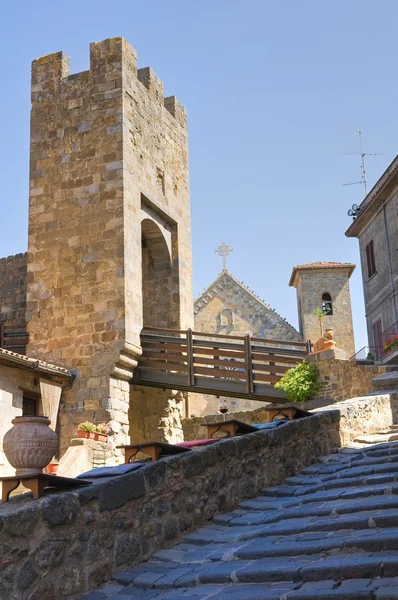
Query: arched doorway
(159, 307)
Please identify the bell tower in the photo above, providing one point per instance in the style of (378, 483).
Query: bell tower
(325, 286)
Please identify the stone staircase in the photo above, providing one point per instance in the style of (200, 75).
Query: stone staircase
(329, 533)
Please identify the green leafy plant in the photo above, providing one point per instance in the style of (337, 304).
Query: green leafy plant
(87, 426)
(301, 383)
(370, 356)
(318, 312)
(92, 428)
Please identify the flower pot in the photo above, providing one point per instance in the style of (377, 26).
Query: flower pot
(88, 435)
(30, 444)
(100, 437)
(52, 468)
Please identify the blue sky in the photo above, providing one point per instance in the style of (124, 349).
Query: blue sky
(274, 93)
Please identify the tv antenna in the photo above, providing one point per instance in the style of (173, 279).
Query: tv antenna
(362, 154)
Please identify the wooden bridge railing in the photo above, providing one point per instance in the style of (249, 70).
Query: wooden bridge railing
(13, 338)
(225, 365)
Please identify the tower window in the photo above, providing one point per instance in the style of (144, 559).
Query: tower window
(327, 306)
(370, 259)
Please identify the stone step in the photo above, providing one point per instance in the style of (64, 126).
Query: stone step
(288, 491)
(374, 466)
(290, 569)
(377, 438)
(321, 509)
(381, 588)
(280, 503)
(360, 520)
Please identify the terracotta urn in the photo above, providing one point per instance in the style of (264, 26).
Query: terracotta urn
(30, 444)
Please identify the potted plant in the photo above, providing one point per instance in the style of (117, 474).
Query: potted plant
(390, 345)
(52, 468)
(86, 430)
(102, 430)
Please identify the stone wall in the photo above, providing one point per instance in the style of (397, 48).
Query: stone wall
(66, 543)
(13, 271)
(364, 415)
(109, 215)
(342, 379)
(193, 429)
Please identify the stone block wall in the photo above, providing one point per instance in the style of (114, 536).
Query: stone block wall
(13, 272)
(66, 543)
(108, 213)
(365, 415)
(343, 379)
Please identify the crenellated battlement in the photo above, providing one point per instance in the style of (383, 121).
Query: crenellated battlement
(113, 64)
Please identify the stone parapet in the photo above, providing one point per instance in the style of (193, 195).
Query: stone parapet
(66, 543)
(334, 354)
(365, 415)
(342, 379)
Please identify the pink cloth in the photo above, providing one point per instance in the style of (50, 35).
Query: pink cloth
(194, 443)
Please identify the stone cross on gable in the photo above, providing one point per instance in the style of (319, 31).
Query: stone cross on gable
(223, 251)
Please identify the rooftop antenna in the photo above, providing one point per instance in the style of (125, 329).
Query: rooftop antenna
(362, 154)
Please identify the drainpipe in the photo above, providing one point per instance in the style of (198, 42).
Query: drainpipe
(390, 265)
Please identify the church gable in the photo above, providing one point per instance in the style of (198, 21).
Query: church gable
(228, 307)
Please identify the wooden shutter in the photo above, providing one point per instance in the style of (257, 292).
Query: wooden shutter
(370, 259)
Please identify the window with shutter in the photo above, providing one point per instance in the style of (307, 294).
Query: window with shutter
(370, 259)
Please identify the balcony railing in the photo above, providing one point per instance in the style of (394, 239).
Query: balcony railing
(368, 354)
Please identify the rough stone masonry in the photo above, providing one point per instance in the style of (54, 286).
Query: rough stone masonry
(109, 232)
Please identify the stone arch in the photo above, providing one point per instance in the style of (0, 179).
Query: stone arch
(159, 308)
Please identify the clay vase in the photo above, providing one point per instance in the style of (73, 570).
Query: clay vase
(30, 444)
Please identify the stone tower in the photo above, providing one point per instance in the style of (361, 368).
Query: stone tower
(325, 285)
(109, 230)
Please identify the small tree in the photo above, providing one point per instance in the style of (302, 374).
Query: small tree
(301, 383)
(321, 315)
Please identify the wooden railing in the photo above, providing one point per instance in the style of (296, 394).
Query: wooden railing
(231, 365)
(13, 338)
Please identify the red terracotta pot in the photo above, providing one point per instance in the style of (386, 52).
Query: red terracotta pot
(100, 437)
(52, 468)
(88, 435)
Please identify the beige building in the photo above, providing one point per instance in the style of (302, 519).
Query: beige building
(28, 387)
(376, 227)
(325, 286)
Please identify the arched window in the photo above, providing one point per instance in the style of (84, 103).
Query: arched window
(327, 306)
(226, 318)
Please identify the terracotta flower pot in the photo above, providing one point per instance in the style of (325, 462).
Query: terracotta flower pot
(100, 437)
(30, 444)
(87, 435)
(52, 468)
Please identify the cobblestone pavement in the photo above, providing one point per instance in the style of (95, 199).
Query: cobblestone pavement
(329, 533)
